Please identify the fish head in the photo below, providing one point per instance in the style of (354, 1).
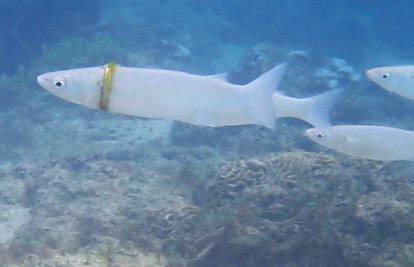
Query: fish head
(396, 79)
(321, 136)
(80, 86)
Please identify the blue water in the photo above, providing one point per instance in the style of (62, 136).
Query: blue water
(80, 187)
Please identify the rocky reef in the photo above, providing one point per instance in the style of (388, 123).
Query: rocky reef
(286, 209)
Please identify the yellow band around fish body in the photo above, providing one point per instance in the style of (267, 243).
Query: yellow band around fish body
(106, 85)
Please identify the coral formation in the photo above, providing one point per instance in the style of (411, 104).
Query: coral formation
(299, 203)
(284, 208)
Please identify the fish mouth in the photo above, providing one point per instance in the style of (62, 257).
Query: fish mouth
(42, 81)
(369, 74)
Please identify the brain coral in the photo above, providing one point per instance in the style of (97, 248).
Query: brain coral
(288, 169)
(276, 201)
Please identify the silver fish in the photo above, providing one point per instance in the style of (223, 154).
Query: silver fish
(396, 79)
(365, 141)
(200, 100)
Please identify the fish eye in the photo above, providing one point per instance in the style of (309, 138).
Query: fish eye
(385, 75)
(59, 82)
(320, 135)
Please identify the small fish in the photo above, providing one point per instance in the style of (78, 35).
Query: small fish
(195, 99)
(368, 142)
(396, 79)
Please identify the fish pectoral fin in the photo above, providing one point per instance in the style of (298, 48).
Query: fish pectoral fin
(221, 76)
(351, 140)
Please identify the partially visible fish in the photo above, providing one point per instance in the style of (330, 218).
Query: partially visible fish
(368, 142)
(200, 100)
(396, 79)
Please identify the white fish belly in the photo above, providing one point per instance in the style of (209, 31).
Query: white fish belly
(194, 99)
(378, 143)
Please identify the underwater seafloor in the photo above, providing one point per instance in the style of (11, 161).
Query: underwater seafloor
(85, 188)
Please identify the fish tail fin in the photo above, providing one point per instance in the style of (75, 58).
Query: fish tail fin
(261, 99)
(314, 110)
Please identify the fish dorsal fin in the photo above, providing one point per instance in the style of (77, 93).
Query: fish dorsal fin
(220, 76)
